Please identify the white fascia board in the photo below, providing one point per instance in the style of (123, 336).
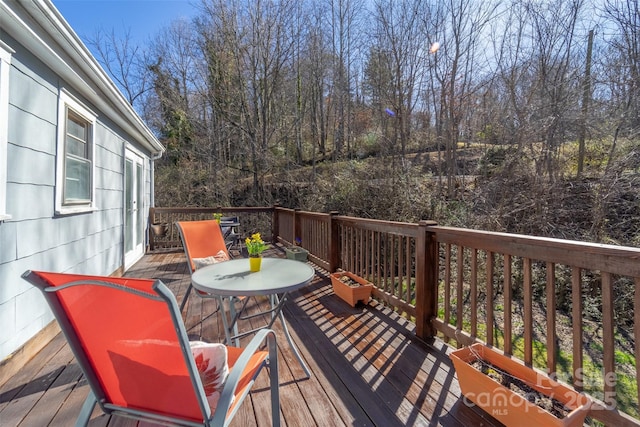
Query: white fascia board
(111, 101)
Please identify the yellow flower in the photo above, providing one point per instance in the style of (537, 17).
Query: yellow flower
(255, 244)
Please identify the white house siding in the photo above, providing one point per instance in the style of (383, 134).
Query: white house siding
(35, 238)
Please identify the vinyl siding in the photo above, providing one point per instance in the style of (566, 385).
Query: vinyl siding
(35, 238)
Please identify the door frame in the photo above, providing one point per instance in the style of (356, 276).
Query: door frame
(138, 188)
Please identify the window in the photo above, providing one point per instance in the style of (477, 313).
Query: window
(74, 182)
(5, 61)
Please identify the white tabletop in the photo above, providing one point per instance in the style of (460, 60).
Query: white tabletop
(231, 278)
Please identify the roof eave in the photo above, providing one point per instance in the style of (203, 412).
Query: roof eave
(96, 87)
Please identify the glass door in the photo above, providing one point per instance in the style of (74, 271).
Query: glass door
(133, 208)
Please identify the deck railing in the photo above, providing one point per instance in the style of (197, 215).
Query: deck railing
(549, 302)
(251, 218)
(509, 291)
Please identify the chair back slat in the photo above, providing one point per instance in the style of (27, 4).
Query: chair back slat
(126, 334)
(201, 239)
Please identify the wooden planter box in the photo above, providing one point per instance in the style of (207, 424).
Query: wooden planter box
(508, 407)
(351, 294)
(296, 253)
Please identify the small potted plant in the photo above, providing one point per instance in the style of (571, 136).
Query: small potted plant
(217, 216)
(160, 230)
(297, 252)
(255, 247)
(351, 288)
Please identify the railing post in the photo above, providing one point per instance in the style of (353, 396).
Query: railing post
(426, 279)
(334, 242)
(275, 224)
(297, 226)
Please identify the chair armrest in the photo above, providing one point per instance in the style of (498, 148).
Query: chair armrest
(235, 375)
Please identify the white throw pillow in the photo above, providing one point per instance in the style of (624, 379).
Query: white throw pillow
(213, 259)
(213, 367)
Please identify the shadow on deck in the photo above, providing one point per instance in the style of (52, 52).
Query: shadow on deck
(367, 367)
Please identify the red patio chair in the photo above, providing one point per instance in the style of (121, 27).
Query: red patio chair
(203, 242)
(129, 339)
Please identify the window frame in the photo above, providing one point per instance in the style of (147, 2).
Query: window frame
(67, 103)
(5, 64)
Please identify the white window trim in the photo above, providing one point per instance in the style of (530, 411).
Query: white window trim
(5, 64)
(65, 100)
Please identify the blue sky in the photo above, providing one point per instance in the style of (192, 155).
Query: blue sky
(143, 18)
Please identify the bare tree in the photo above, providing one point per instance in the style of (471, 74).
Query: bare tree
(378, 87)
(514, 70)
(399, 37)
(586, 101)
(553, 26)
(623, 61)
(318, 77)
(458, 25)
(125, 61)
(343, 26)
(173, 52)
(257, 38)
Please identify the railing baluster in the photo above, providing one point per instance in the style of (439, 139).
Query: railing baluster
(348, 247)
(528, 312)
(335, 242)
(400, 268)
(387, 285)
(378, 253)
(360, 257)
(309, 228)
(392, 264)
(406, 272)
(370, 253)
(636, 330)
(406, 268)
(459, 287)
(489, 302)
(353, 250)
(576, 314)
(360, 250)
(315, 229)
(608, 340)
(551, 319)
(474, 293)
(506, 292)
(392, 260)
(344, 259)
(447, 286)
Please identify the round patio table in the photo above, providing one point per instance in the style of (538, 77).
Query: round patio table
(276, 278)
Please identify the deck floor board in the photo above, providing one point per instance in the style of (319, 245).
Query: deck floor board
(367, 367)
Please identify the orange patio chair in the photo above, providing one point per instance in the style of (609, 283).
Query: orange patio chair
(204, 244)
(129, 339)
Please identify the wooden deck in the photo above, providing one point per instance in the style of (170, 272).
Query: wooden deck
(367, 367)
